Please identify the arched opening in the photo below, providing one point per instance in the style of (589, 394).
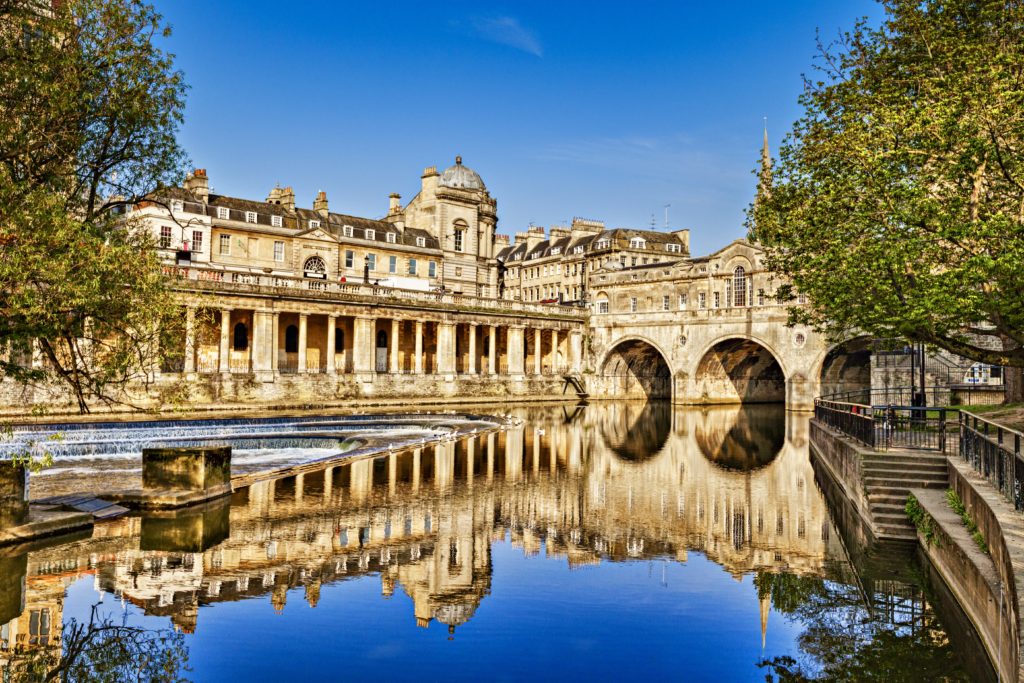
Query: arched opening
(743, 438)
(740, 371)
(637, 433)
(635, 369)
(315, 267)
(291, 339)
(847, 370)
(240, 337)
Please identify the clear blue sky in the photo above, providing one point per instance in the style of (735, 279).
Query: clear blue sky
(601, 110)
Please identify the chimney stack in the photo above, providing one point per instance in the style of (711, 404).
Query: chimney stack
(198, 184)
(320, 203)
(394, 203)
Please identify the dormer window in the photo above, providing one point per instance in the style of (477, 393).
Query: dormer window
(674, 248)
(223, 213)
(556, 251)
(250, 216)
(314, 224)
(275, 221)
(421, 242)
(370, 234)
(177, 206)
(346, 230)
(577, 250)
(602, 244)
(391, 237)
(638, 243)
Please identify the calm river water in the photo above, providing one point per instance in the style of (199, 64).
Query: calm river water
(604, 542)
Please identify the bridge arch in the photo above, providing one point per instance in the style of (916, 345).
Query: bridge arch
(740, 369)
(845, 367)
(635, 367)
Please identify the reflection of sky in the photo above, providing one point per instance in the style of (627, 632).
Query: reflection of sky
(541, 621)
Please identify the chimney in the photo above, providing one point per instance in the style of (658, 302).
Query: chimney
(286, 198)
(198, 184)
(585, 226)
(534, 236)
(500, 242)
(320, 203)
(559, 233)
(394, 203)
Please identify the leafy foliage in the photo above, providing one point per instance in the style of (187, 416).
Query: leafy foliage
(897, 201)
(91, 110)
(921, 520)
(102, 650)
(972, 527)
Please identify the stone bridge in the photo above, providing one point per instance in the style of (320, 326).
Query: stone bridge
(719, 356)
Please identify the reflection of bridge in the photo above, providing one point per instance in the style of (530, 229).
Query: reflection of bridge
(708, 331)
(425, 519)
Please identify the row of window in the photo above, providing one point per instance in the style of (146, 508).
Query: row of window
(603, 305)
(370, 260)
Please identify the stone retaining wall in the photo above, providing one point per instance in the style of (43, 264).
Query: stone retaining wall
(1003, 530)
(844, 462)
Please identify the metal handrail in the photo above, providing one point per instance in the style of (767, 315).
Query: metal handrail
(994, 451)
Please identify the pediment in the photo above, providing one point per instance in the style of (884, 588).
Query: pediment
(318, 234)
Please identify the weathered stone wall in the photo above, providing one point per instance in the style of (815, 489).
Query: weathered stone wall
(1003, 531)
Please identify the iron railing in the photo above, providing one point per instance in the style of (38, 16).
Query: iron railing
(853, 419)
(885, 427)
(994, 451)
(935, 396)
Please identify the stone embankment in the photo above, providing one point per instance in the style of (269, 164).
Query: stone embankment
(987, 585)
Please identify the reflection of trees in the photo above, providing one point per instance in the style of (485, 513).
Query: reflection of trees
(742, 437)
(101, 650)
(844, 641)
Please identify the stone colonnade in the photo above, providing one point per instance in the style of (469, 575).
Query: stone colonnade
(232, 340)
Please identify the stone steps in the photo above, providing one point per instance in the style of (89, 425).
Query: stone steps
(888, 479)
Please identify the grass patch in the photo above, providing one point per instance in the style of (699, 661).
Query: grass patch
(972, 528)
(921, 520)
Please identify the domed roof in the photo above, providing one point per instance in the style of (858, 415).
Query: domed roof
(462, 177)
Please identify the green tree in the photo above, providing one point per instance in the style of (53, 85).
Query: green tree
(897, 201)
(91, 106)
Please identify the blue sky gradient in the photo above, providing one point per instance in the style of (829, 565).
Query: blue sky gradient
(601, 110)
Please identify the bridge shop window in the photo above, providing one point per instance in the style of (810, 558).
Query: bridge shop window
(412, 266)
(702, 300)
(632, 304)
(718, 299)
(225, 245)
(739, 286)
(241, 337)
(392, 264)
(279, 251)
(665, 303)
(291, 339)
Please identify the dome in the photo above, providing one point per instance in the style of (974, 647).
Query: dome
(462, 177)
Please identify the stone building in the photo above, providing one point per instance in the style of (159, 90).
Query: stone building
(444, 239)
(559, 267)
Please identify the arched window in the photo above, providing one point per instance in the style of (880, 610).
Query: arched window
(739, 286)
(241, 337)
(382, 340)
(339, 340)
(291, 339)
(315, 267)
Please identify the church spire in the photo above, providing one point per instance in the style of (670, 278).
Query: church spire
(766, 607)
(764, 182)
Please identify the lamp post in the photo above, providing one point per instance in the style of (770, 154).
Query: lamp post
(366, 269)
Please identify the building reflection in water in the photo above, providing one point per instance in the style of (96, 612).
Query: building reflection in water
(609, 482)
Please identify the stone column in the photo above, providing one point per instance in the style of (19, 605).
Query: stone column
(225, 336)
(190, 339)
(363, 345)
(516, 348)
(470, 458)
(275, 343)
(303, 323)
(446, 348)
(575, 351)
(332, 324)
(471, 367)
(538, 338)
(492, 350)
(554, 350)
(418, 358)
(261, 346)
(396, 334)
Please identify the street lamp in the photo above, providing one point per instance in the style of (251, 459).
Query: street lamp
(366, 269)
